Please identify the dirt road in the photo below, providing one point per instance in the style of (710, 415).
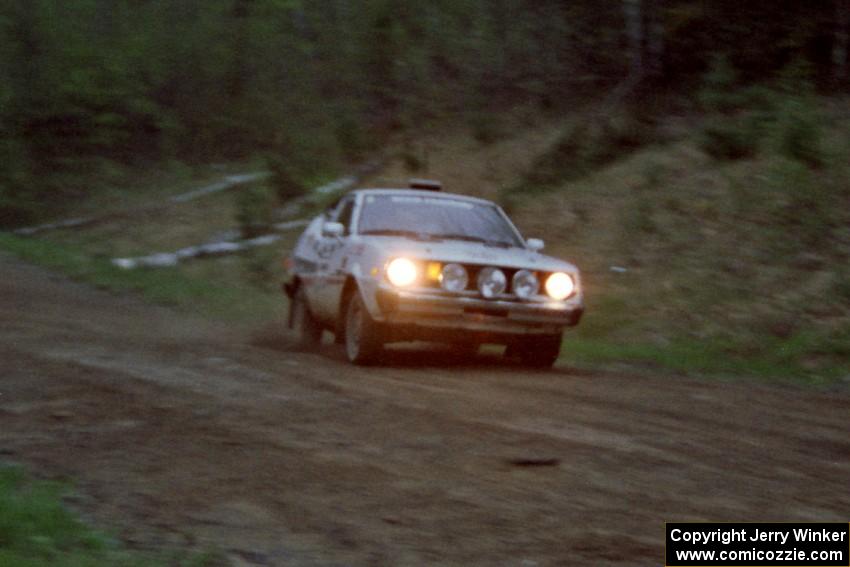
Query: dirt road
(181, 432)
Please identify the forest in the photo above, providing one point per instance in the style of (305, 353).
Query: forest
(91, 86)
(159, 160)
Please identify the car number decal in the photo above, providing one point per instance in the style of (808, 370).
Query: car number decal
(325, 248)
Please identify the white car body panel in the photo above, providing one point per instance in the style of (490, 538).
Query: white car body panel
(322, 264)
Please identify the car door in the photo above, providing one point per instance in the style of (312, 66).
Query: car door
(332, 266)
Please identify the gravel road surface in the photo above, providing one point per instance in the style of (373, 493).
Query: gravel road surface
(182, 432)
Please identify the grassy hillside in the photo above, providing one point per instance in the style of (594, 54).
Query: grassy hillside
(731, 262)
(713, 240)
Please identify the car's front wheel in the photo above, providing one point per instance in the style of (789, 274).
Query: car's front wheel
(363, 341)
(305, 325)
(536, 351)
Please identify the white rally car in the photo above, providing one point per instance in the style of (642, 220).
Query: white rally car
(390, 265)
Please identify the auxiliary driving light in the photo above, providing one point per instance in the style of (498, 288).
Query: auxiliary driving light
(491, 282)
(402, 272)
(560, 286)
(454, 278)
(525, 284)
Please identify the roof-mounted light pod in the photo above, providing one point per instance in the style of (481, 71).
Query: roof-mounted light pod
(425, 184)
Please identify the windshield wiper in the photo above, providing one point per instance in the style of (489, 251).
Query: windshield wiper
(412, 234)
(470, 238)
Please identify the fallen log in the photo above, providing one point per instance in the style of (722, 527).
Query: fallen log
(233, 246)
(207, 250)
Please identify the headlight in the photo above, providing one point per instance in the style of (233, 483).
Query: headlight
(560, 286)
(525, 284)
(491, 282)
(454, 278)
(402, 272)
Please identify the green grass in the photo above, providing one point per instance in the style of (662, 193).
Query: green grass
(165, 286)
(804, 358)
(36, 529)
(624, 328)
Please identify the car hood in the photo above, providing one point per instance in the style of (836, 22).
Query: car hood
(466, 253)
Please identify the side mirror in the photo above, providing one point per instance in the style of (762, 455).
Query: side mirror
(535, 244)
(333, 230)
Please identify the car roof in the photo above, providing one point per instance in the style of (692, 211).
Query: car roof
(421, 193)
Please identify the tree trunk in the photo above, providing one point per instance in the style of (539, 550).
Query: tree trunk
(655, 37)
(633, 10)
(840, 41)
(238, 70)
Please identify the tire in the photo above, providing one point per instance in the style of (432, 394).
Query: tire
(305, 325)
(536, 352)
(363, 336)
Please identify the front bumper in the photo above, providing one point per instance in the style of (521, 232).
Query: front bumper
(441, 311)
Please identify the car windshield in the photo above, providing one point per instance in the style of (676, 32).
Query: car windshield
(435, 218)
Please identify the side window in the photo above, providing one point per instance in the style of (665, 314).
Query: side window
(345, 213)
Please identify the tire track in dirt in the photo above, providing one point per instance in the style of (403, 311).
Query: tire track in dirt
(184, 432)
